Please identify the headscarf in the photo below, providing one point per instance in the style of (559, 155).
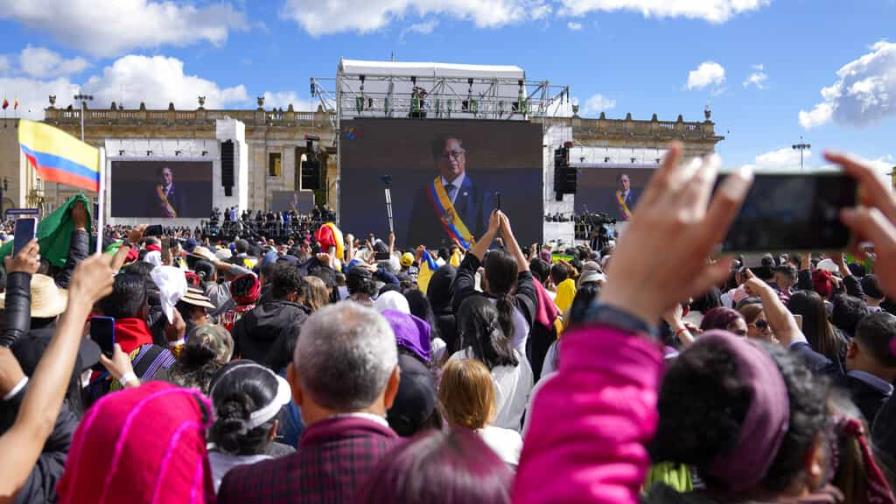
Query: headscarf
(144, 444)
(172, 284)
(245, 289)
(392, 300)
(411, 333)
(823, 283)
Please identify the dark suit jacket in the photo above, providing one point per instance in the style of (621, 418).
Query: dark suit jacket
(472, 204)
(175, 197)
(868, 399)
(333, 460)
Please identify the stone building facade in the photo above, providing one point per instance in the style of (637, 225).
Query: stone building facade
(274, 135)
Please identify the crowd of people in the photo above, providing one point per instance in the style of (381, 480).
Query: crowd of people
(340, 369)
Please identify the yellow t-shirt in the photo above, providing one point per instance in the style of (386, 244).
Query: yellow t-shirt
(566, 292)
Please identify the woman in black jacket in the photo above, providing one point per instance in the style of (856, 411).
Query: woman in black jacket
(506, 281)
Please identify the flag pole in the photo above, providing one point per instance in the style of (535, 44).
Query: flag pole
(101, 203)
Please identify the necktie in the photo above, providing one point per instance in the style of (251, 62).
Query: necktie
(451, 190)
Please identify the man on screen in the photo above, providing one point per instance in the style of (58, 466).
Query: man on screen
(625, 198)
(165, 200)
(451, 208)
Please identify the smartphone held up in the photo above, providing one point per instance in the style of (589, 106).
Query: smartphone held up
(793, 211)
(25, 231)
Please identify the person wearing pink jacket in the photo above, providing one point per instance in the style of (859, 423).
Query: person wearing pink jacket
(591, 422)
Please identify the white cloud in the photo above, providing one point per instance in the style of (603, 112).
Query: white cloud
(757, 77)
(883, 165)
(42, 62)
(110, 27)
(820, 114)
(423, 27)
(156, 81)
(5, 65)
(572, 25)
(709, 73)
(282, 99)
(322, 17)
(864, 92)
(714, 11)
(785, 158)
(596, 104)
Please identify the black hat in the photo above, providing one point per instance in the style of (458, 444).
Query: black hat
(416, 397)
(31, 347)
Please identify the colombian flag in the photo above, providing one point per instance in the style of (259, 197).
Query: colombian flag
(59, 157)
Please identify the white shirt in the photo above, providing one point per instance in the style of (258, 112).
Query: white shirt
(222, 462)
(520, 328)
(456, 183)
(512, 388)
(506, 443)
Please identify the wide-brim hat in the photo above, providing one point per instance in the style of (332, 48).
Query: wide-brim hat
(47, 299)
(196, 297)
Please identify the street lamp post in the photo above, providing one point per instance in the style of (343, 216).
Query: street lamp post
(802, 146)
(83, 98)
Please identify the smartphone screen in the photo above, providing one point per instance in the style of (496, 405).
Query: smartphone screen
(102, 332)
(26, 230)
(382, 256)
(793, 212)
(154, 230)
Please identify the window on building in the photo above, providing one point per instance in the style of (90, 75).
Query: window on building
(274, 164)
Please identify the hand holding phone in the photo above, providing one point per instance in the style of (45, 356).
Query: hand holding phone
(25, 231)
(793, 211)
(102, 332)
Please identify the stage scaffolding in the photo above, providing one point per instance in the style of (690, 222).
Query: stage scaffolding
(437, 91)
(408, 90)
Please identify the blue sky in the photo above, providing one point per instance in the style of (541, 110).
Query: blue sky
(622, 55)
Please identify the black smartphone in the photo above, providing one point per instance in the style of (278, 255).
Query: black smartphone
(793, 211)
(497, 201)
(382, 256)
(154, 230)
(102, 332)
(26, 230)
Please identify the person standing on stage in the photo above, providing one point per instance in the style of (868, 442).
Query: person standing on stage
(450, 209)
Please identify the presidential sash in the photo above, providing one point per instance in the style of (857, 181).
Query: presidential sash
(448, 216)
(623, 206)
(163, 200)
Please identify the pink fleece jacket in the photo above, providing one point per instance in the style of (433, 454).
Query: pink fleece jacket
(590, 422)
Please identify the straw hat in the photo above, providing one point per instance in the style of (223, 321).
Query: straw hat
(47, 299)
(195, 297)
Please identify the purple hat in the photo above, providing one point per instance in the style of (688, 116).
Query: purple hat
(411, 333)
(767, 418)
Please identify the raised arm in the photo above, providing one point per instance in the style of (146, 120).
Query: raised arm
(17, 305)
(592, 442)
(780, 319)
(874, 220)
(22, 443)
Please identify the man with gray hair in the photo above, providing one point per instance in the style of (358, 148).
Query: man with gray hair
(344, 377)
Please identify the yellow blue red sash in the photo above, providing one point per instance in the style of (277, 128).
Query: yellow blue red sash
(448, 216)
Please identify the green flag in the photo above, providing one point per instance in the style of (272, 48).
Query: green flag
(54, 232)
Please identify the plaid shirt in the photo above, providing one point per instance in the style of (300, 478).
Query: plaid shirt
(333, 459)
